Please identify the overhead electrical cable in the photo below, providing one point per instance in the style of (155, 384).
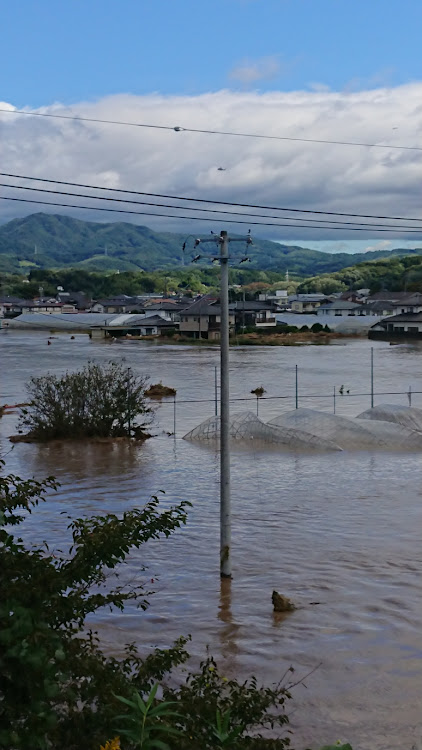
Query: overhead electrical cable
(203, 218)
(206, 210)
(180, 129)
(209, 200)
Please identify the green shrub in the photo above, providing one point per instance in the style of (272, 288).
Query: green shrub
(57, 688)
(284, 328)
(98, 401)
(317, 327)
(60, 691)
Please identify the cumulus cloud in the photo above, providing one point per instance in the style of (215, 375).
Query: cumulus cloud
(260, 171)
(382, 245)
(251, 71)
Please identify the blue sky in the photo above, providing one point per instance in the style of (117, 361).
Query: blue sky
(330, 69)
(86, 49)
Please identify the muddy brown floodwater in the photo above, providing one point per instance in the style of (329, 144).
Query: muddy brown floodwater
(342, 529)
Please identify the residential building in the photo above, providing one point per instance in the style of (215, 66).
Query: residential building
(79, 300)
(394, 303)
(340, 307)
(122, 303)
(410, 303)
(255, 314)
(11, 306)
(168, 309)
(202, 319)
(381, 308)
(404, 325)
(307, 303)
(280, 297)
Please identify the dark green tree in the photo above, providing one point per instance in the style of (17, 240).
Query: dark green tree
(97, 401)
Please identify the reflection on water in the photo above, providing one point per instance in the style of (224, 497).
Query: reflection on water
(228, 634)
(341, 529)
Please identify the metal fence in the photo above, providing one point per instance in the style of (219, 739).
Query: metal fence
(296, 399)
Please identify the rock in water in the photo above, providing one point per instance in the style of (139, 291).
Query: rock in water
(282, 603)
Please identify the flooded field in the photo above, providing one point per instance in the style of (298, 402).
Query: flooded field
(343, 529)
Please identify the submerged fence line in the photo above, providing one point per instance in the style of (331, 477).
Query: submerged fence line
(296, 395)
(292, 396)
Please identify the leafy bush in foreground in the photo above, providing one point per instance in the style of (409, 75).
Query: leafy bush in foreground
(58, 689)
(98, 401)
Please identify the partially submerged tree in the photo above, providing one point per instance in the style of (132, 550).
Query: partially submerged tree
(100, 401)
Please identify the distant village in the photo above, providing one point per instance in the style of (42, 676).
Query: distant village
(382, 315)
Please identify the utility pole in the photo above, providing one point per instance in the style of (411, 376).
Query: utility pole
(243, 314)
(225, 511)
(372, 377)
(225, 505)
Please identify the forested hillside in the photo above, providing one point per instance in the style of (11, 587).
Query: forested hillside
(50, 241)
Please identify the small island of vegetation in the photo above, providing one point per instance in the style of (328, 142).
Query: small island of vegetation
(97, 402)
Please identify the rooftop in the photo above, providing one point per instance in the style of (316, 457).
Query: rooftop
(387, 296)
(340, 304)
(402, 318)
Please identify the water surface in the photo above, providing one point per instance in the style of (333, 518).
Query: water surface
(341, 529)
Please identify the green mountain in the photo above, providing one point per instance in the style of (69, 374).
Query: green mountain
(50, 241)
(398, 273)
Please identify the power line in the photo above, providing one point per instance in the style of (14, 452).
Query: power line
(201, 218)
(208, 200)
(180, 129)
(206, 210)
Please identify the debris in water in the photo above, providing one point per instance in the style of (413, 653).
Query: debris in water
(259, 391)
(158, 391)
(282, 603)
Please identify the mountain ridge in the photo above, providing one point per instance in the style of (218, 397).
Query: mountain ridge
(43, 240)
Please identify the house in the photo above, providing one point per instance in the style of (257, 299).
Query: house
(79, 300)
(202, 319)
(410, 303)
(279, 297)
(122, 303)
(49, 306)
(404, 325)
(147, 325)
(307, 303)
(10, 306)
(379, 307)
(131, 325)
(386, 296)
(340, 307)
(168, 309)
(254, 313)
(394, 303)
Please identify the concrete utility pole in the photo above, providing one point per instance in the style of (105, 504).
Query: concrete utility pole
(225, 510)
(372, 377)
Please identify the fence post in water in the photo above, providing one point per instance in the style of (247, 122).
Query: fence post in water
(174, 416)
(372, 377)
(257, 406)
(409, 395)
(334, 399)
(297, 395)
(216, 391)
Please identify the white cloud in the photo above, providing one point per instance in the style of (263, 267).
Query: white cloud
(319, 87)
(382, 245)
(270, 172)
(251, 71)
